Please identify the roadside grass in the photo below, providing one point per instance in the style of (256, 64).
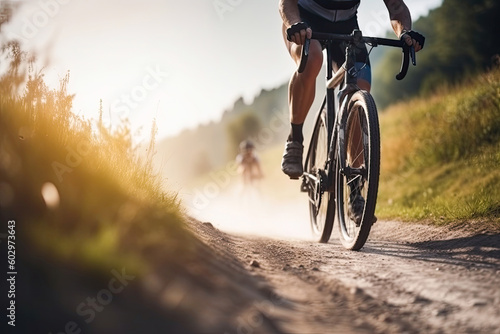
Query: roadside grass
(441, 155)
(78, 192)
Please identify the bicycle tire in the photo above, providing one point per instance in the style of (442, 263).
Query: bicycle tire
(321, 203)
(361, 108)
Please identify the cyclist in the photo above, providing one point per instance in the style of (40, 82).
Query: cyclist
(300, 18)
(248, 163)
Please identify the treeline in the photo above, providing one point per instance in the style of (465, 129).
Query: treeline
(195, 152)
(461, 40)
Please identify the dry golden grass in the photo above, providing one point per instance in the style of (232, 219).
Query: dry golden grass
(79, 191)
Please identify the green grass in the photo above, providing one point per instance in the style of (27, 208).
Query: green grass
(441, 155)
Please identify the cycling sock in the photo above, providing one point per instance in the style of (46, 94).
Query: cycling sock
(296, 133)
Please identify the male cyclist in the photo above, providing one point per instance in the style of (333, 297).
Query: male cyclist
(300, 18)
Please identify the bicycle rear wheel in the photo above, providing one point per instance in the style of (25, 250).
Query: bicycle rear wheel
(358, 175)
(321, 203)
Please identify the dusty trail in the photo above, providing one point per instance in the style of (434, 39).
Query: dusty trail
(407, 279)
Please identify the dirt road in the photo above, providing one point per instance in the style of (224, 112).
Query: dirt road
(407, 279)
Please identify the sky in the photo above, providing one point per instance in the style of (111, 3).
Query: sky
(181, 62)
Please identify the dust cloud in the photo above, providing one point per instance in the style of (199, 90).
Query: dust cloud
(253, 210)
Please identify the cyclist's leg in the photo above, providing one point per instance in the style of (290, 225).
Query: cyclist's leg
(364, 85)
(301, 93)
(302, 87)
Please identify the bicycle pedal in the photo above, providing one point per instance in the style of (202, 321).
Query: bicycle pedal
(303, 187)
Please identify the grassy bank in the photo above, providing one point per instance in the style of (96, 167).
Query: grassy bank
(441, 154)
(78, 192)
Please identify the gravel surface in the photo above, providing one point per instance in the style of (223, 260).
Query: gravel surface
(409, 278)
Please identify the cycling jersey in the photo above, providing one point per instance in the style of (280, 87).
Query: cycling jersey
(332, 10)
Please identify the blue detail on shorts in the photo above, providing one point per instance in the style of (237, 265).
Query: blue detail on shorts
(364, 71)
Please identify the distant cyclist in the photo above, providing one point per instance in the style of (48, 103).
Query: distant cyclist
(300, 18)
(248, 163)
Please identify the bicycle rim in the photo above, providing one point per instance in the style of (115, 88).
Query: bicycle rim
(361, 176)
(321, 204)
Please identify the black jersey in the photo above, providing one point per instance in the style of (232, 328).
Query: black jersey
(332, 10)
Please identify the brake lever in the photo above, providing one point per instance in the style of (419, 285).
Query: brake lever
(413, 56)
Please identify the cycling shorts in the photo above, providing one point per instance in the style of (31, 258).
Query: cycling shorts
(320, 24)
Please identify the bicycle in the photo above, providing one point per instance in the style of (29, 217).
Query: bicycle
(331, 174)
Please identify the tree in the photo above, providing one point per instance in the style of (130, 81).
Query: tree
(460, 41)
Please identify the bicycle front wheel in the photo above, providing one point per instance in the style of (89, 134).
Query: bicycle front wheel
(358, 170)
(321, 203)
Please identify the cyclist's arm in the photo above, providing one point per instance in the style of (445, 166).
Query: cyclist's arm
(289, 11)
(400, 16)
(401, 22)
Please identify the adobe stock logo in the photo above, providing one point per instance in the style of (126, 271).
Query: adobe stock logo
(224, 6)
(151, 81)
(40, 18)
(378, 23)
(72, 160)
(92, 305)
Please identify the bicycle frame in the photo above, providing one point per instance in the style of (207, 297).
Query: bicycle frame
(341, 179)
(345, 75)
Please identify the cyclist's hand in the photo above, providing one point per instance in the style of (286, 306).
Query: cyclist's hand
(413, 38)
(298, 32)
